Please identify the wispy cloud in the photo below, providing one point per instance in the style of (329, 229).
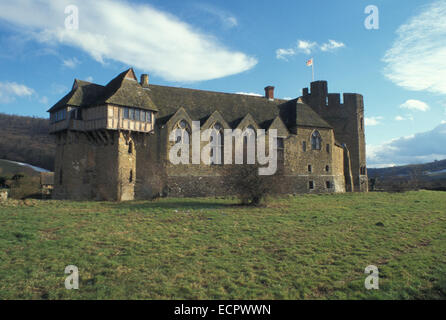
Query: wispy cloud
(9, 91)
(415, 105)
(43, 100)
(137, 35)
(332, 45)
(71, 63)
(404, 118)
(250, 94)
(373, 121)
(226, 18)
(417, 58)
(418, 148)
(283, 54)
(308, 47)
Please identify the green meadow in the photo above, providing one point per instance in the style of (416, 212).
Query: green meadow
(297, 247)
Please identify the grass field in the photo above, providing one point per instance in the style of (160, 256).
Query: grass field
(303, 247)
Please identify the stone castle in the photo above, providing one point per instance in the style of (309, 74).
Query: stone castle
(113, 141)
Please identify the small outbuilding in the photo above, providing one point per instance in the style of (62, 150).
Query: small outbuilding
(47, 183)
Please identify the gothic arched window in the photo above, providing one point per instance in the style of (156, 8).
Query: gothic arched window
(217, 144)
(316, 140)
(182, 132)
(249, 145)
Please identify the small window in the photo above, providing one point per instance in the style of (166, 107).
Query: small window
(310, 168)
(149, 116)
(137, 115)
(280, 149)
(130, 147)
(326, 101)
(327, 168)
(328, 184)
(131, 176)
(132, 114)
(311, 185)
(304, 146)
(328, 148)
(316, 140)
(143, 116)
(126, 113)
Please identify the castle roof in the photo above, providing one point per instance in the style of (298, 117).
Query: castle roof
(124, 90)
(200, 104)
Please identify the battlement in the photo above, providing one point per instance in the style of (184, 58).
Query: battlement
(346, 116)
(319, 98)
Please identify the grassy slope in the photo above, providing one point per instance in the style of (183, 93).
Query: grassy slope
(297, 247)
(9, 169)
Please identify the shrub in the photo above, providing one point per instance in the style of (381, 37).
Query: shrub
(251, 188)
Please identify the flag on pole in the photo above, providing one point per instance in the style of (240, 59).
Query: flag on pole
(310, 63)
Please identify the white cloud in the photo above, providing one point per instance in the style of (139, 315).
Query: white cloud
(136, 35)
(443, 121)
(250, 94)
(58, 89)
(44, 100)
(285, 53)
(332, 45)
(404, 118)
(71, 63)
(226, 18)
(9, 91)
(308, 47)
(373, 121)
(89, 79)
(417, 58)
(418, 148)
(415, 105)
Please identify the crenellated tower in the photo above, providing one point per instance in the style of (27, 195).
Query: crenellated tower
(346, 116)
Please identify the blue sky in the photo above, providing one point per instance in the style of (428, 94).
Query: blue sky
(243, 46)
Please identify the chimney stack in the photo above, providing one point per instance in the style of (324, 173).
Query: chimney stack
(269, 93)
(145, 80)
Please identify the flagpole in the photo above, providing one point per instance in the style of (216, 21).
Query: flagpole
(312, 68)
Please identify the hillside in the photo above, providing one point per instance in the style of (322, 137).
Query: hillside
(429, 169)
(431, 176)
(26, 139)
(10, 168)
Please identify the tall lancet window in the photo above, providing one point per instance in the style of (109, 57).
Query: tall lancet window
(217, 144)
(316, 140)
(182, 132)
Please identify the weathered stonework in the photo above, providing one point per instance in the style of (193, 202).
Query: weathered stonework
(106, 153)
(3, 195)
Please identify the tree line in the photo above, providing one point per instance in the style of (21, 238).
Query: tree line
(26, 139)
